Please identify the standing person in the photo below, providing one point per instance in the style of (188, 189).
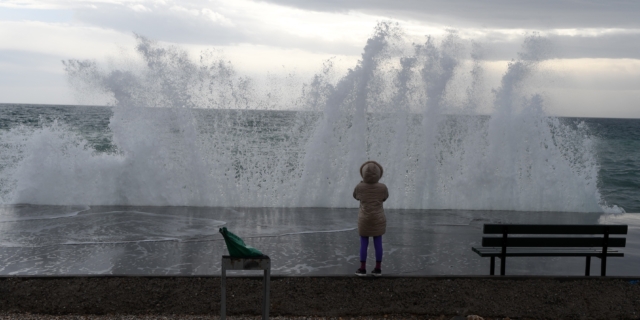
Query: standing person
(371, 219)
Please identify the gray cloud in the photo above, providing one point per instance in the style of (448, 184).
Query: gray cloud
(160, 25)
(168, 26)
(612, 46)
(605, 46)
(163, 24)
(543, 14)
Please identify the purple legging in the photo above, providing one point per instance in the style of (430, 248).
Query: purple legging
(364, 245)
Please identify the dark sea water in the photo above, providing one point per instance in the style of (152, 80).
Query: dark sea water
(617, 141)
(90, 121)
(618, 152)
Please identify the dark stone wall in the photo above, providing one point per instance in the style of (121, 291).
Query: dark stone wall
(515, 297)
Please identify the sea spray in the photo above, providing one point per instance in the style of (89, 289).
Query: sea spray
(198, 134)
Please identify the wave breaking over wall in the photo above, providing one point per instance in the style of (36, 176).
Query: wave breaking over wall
(196, 133)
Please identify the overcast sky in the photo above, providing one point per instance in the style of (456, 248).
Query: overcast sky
(596, 43)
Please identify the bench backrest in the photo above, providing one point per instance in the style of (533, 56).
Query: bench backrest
(602, 240)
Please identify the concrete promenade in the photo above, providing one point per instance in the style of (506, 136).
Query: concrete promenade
(66, 240)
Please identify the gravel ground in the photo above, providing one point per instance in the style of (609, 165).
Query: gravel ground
(189, 317)
(333, 297)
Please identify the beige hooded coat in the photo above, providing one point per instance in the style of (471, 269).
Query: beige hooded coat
(371, 219)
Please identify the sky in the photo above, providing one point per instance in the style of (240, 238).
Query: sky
(594, 70)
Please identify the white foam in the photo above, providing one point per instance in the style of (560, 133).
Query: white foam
(394, 107)
(43, 217)
(302, 232)
(106, 228)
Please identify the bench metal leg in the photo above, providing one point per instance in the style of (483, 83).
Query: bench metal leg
(260, 263)
(503, 262)
(493, 266)
(265, 302)
(587, 269)
(603, 260)
(223, 294)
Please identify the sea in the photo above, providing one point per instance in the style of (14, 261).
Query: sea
(616, 143)
(185, 146)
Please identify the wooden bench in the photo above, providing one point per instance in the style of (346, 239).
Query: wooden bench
(545, 240)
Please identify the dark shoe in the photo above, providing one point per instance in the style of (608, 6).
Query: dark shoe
(361, 272)
(376, 272)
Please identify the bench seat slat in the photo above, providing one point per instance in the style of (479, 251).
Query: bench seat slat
(490, 249)
(550, 254)
(554, 229)
(547, 253)
(552, 242)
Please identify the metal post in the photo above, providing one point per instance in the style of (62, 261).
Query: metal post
(258, 263)
(605, 248)
(492, 266)
(503, 256)
(265, 299)
(223, 293)
(587, 269)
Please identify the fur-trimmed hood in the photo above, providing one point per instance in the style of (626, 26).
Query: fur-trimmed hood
(371, 172)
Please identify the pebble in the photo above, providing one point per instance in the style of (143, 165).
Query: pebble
(319, 298)
(23, 316)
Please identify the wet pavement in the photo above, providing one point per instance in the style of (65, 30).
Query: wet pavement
(69, 240)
